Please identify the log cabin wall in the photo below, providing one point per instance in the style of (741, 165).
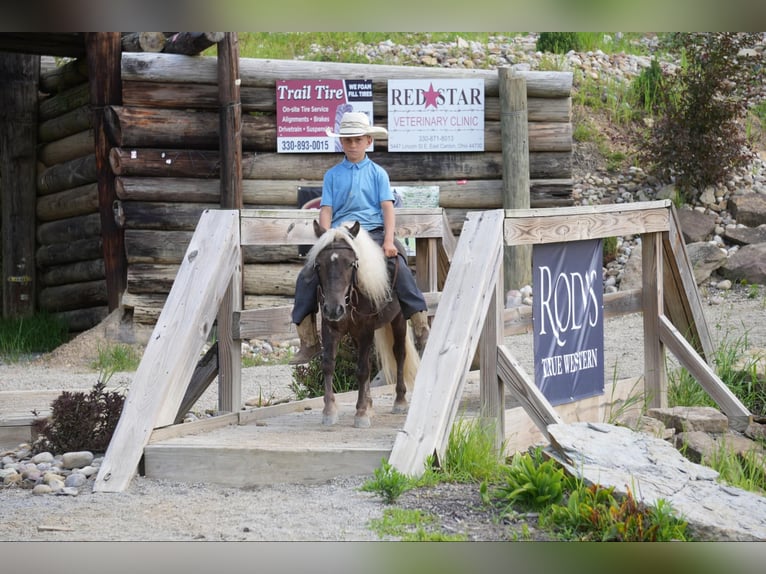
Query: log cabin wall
(166, 163)
(69, 257)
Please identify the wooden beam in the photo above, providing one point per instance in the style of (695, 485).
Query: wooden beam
(682, 299)
(452, 343)
(18, 168)
(517, 259)
(739, 415)
(491, 389)
(552, 225)
(652, 294)
(183, 327)
(523, 387)
(204, 373)
(104, 52)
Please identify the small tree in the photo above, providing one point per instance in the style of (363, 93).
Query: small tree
(696, 137)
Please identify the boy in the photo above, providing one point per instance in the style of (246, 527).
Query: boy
(357, 189)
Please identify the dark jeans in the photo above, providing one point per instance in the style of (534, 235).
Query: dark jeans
(410, 297)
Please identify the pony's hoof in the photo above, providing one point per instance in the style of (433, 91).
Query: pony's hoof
(362, 422)
(399, 408)
(329, 420)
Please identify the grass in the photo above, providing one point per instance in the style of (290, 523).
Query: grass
(40, 333)
(115, 359)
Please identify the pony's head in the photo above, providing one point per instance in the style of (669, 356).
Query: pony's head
(347, 258)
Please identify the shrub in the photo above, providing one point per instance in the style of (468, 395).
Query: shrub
(696, 137)
(308, 380)
(557, 42)
(80, 421)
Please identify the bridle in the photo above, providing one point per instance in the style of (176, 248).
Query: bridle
(351, 296)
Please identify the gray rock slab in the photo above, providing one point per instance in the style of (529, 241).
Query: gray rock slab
(653, 469)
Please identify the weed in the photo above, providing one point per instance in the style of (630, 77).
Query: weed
(471, 454)
(116, 358)
(41, 333)
(411, 526)
(388, 482)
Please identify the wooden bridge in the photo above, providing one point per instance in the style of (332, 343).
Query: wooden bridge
(468, 317)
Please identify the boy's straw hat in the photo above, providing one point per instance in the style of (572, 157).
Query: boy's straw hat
(354, 124)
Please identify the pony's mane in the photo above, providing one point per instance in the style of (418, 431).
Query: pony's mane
(372, 273)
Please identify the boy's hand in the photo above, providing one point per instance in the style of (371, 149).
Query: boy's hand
(389, 249)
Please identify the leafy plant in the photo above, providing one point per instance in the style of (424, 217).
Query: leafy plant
(593, 513)
(697, 138)
(557, 42)
(531, 482)
(80, 421)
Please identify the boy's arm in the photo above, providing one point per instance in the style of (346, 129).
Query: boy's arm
(325, 216)
(389, 225)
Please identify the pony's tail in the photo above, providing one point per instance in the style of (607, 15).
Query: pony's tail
(384, 345)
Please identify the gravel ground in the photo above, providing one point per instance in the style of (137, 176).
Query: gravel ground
(154, 510)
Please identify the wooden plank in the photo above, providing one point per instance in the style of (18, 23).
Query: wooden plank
(654, 352)
(103, 54)
(452, 343)
(295, 226)
(553, 225)
(491, 388)
(524, 389)
(739, 416)
(174, 346)
(18, 140)
(682, 299)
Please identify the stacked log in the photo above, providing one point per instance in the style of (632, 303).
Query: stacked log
(166, 161)
(69, 255)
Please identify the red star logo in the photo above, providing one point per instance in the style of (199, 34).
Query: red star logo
(431, 96)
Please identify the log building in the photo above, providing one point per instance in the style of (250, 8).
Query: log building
(124, 149)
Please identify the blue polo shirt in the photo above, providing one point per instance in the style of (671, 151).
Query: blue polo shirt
(355, 191)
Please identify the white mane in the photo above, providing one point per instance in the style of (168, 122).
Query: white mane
(372, 273)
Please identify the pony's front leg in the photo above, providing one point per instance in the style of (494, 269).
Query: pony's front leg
(364, 400)
(329, 352)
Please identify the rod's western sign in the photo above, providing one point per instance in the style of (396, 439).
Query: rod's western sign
(567, 313)
(436, 115)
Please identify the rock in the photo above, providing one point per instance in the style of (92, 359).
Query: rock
(75, 480)
(653, 470)
(748, 208)
(705, 259)
(76, 459)
(688, 419)
(41, 489)
(42, 458)
(747, 264)
(695, 226)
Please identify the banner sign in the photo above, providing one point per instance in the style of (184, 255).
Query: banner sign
(436, 115)
(568, 319)
(306, 108)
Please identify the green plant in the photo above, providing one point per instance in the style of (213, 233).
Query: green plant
(116, 358)
(557, 42)
(411, 526)
(697, 137)
(308, 379)
(471, 454)
(593, 513)
(744, 470)
(41, 332)
(645, 88)
(388, 482)
(80, 421)
(530, 481)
